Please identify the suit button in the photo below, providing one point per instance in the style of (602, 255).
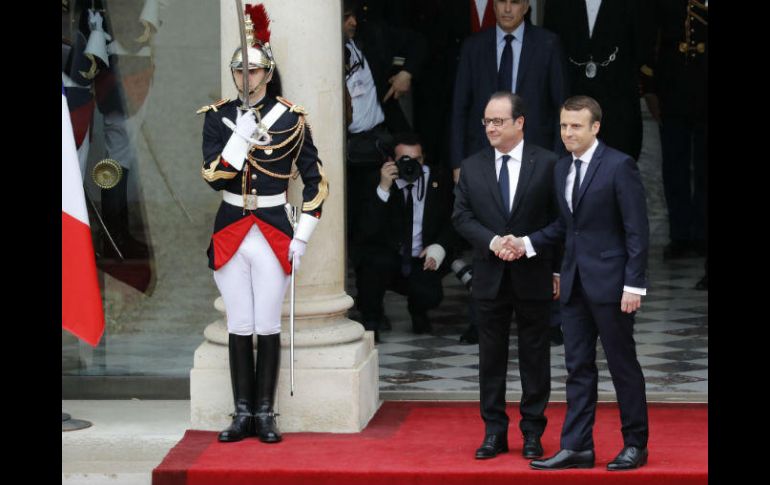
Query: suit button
(577, 233)
(253, 176)
(253, 191)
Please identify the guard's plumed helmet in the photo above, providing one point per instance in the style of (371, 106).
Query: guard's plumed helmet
(258, 37)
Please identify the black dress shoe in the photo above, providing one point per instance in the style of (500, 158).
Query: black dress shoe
(493, 445)
(470, 336)
(565, 459)
(630, 457)
(532, 447)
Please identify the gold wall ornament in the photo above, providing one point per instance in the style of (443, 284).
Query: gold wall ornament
(107, 173)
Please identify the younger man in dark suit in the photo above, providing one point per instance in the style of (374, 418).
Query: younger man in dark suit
(603, 222)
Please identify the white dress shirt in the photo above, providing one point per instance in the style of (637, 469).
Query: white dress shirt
(514, 169)
(592, 7)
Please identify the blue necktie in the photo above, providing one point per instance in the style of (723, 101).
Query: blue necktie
(576, 185)
(504, 185)
(505, 73)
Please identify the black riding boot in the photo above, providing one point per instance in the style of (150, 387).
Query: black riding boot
(268, 358)
(241, 349)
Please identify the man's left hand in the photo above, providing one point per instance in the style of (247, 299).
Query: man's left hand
(399, 85)
(630, 302)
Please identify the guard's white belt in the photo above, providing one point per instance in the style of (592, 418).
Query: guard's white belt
(262, 200)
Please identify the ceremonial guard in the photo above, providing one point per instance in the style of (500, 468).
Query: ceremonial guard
(252, 147)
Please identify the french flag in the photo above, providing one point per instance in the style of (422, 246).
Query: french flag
(81, 301)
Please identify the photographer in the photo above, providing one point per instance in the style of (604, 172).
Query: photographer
(403, 237)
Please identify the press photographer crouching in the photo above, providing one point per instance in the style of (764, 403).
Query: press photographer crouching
(403, 236)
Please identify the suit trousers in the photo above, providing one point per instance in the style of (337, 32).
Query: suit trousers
(584, 321)
(683, 145)
(532, 328)
(380, 271)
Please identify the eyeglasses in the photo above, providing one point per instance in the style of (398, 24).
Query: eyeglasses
(494, 121)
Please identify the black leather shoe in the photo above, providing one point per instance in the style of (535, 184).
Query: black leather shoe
(470, 336)
(630, 457)
(493, 445)
(532, 447)
(565, 459)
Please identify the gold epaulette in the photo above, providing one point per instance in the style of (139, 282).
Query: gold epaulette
(213, 106)
(293, 108)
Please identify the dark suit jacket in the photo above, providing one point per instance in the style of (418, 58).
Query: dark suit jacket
(541, 82)
(479, 215)
(380, 42)
(607, 238)
(382, 223)
(622, 24)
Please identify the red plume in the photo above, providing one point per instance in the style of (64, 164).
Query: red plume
(261, 22)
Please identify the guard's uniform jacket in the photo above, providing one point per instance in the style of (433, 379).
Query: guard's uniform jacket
(266, 172)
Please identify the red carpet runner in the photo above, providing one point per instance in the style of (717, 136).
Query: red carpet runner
(429, 443)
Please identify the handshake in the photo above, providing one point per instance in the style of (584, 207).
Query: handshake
(509, 247)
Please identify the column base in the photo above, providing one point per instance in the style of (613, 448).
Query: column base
(335, 385)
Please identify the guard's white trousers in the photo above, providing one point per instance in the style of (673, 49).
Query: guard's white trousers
(253, 286)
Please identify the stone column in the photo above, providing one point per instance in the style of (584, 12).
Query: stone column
(336, 364)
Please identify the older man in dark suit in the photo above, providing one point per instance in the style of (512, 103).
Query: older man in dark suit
(603, 222)
(513, 56)
(503, 190)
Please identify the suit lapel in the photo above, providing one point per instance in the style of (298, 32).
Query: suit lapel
(593, 166)
(489, 174)
(525, 174)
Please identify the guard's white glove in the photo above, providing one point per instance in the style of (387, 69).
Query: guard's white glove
(237, 146)
(97, 40)
(296, 251)
(304, 229)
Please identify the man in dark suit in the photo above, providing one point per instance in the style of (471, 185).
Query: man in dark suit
(514, 56)
(503, 190)
(403, 238)
(606, 43)
(603, 221)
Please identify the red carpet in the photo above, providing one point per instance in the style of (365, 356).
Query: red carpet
(433, 443)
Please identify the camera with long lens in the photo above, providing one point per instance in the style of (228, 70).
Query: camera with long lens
(409, 169)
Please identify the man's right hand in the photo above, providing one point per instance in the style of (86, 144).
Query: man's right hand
(507, 248)
(388, 173)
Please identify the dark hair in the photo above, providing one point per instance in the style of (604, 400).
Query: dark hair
(517, 103)
(274, 87)
(349, 7)
(576, 103)
(406, 138)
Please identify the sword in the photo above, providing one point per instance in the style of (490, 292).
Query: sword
(162, 173)
(291, 307)
(244, 55)
(101, 223)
